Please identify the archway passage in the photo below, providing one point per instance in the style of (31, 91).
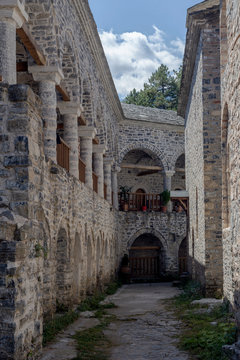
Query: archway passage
(182, 257)
(146, 258)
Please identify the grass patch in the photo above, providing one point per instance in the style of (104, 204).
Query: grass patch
(205, 332)
(64, 317)
(57, 324)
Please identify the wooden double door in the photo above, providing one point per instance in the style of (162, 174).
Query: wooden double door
(146, 260)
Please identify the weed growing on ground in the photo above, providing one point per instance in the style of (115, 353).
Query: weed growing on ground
(63, 318)
(57, 324)
(206, 331)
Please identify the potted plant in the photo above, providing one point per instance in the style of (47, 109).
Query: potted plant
(165, 198)
(124, 196)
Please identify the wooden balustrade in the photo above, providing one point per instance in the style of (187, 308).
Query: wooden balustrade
(63, 152)
(149, 202)
(138, 202)
(105, 191)
(82, 170)
(95, 182)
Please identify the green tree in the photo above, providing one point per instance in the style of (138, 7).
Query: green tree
(160, 92)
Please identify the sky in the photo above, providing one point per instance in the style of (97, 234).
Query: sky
(140, 35)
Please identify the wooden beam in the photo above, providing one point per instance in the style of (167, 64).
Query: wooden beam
(82, 120)
(141, 167)
(61, 89)
(31, 45)
(22, 66)
(95, 141)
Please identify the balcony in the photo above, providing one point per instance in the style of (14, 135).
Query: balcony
(63, 152)
(152, 202)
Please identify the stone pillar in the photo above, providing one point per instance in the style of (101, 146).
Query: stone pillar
(168, 179)
(87, 134)
(48, 77)
(168, 185)
(71, 111)
(12, 16)
(108, 177)
(98, 151)
(115, 172)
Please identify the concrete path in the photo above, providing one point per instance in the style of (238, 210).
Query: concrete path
(143, 329)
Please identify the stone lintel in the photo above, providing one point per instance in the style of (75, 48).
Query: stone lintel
(13, 10)
(46, 73)
(87, 131)
(99, 149)
(69, 108)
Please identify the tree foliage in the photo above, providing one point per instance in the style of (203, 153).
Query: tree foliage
(161, 91)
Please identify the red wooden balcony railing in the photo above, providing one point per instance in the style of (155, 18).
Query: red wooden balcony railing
(95, 182)
(105, 191)
(82, 170)
(63, 152)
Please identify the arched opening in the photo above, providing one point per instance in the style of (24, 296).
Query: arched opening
(77, 268)
(182, 257)
(89, 264)
(225, 169)
(61, 268)
(142, 174)
(178, 179)
(98, 260)
(147, 260)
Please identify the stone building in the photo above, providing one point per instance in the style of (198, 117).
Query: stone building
(65, 144)
(210, 103)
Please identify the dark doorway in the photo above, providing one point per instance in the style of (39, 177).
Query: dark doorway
(146, 258)
(140, 199)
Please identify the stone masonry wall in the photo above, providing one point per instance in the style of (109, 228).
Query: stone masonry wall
(46, 216)
(195, 172)
(230, 52)
(203, 165)
(170, 229)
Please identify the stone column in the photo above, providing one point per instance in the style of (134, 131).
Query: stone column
(48, 77)
(168, 179)
(107, 167)
(71, 111)
(115, 172)
(12, 16)
(168, 185)
(98, 151)
(87, 134)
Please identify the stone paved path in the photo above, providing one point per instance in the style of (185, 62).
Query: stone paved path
(144, 330)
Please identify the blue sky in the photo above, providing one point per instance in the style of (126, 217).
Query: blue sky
(139, 35)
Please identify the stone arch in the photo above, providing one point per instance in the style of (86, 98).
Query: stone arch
(70, 66)
(225, 168)
(150, 149)
(89, 262)
(178, 179)
(87, 103)
(148, 231)
(62, 262)
(140, 186)
(77, 267)
(183, 256)
(175, 156)
(147, 258)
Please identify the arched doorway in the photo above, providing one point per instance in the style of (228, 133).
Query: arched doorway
(146, 257)
(140, 198)
(182, 257)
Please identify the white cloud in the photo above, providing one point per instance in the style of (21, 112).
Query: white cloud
(133, 56)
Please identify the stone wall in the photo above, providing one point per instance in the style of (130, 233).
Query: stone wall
(203, 145)
(59, 238)
(170, 229)
(230, 58)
